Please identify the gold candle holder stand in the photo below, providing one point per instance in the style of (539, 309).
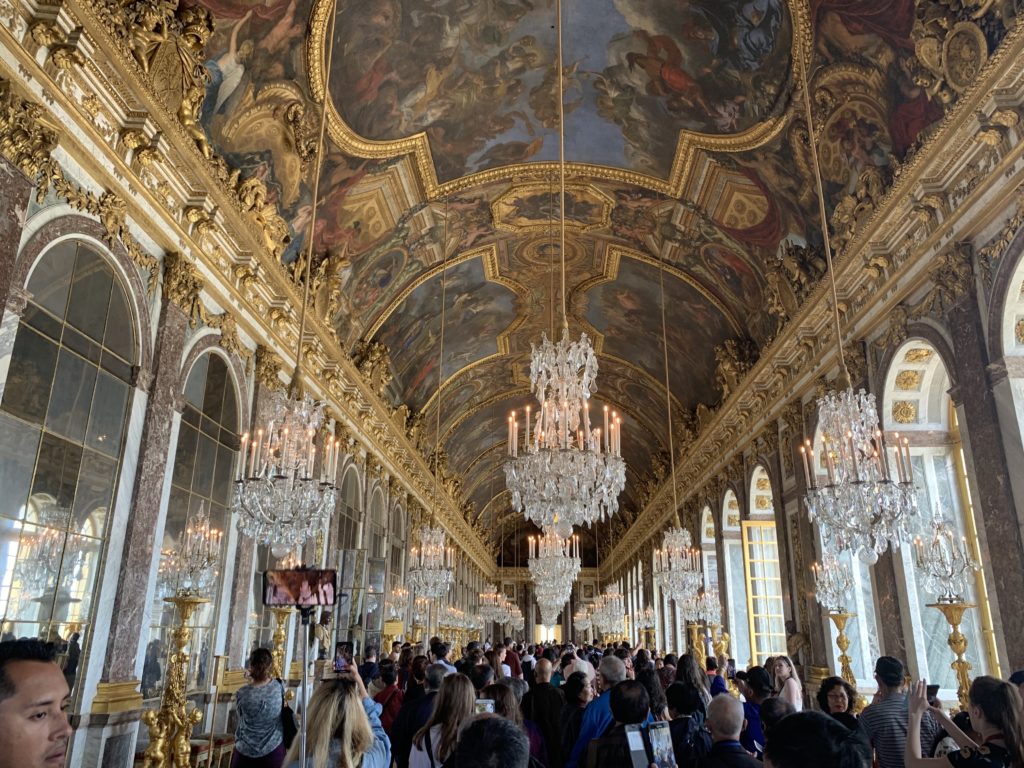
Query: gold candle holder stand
(170, 727)
(954, 613)
(843, 644)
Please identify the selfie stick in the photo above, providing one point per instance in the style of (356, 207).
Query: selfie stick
(305, 611)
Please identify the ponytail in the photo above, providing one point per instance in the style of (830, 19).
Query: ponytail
(1000, 703)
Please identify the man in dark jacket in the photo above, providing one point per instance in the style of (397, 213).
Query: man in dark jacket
(690, 739)
(630, 705)
(414, 715)
(725, 721)
(543, 705)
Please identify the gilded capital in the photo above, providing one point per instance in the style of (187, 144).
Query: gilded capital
(25, 140)
(182, 284)
(268, 367)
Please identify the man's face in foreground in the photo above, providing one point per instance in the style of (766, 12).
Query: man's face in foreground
(34, 728)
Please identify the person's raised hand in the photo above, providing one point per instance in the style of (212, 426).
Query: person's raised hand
(918, 698)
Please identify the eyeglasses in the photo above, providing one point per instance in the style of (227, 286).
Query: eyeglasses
(836, 695)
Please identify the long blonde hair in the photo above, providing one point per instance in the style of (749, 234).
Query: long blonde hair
(792, 672)
(335, 712)
(453, 706)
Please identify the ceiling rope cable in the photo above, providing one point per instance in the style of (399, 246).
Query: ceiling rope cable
(668, 395)
(561, 154)
(329, 54)
(440, 361)
(844, 374)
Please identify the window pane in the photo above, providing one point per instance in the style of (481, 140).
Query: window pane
(72, 394)
(18, 445)
(222, 476)
(206, 455)
(42, 321)
(106, 421)
(94, 494)
(57, 471)
(216, 382)
(185, 456)
(119, 336)
(195, 387)
(52, 277)
(90, 292)
(27, 391)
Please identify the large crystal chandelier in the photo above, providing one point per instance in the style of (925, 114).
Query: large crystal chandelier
(861, 507)
(570, 473)
(491, 604)
(677, 565)
(610, 611)
(833, 583)
(582, 619)
(430, 571)
(708, 606)
(280, 497)
(946, 561)
(554, 564)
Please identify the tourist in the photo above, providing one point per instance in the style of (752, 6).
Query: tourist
(837, 697)
(885, 720)
(404, 665)
(716, 683)
(34, 728)
(690, 739)
(543, 705)
(578, 693)
(815, 740)
(369, 669)
(774, 709)
(1017, 678)
(667, 673)
(488, 741)
(435, 741)
(629, 705)
(757, 687)
(506, 705)
(787, 682)
(648, 678)
(414, 714)
(415, 684)
(996, 717)
(259, 740)
(512, 659)
(598, 717)
(440, 651)
(725, 721)
(343, 728)
(690, 672)
(390, 696)
(496, 660)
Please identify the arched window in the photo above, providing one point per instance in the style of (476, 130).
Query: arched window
(375, 539)
(736, 583)
(62, 428)
(398, 549)
(201, 484)
(761, 564)
(916, 405)
(349, 509)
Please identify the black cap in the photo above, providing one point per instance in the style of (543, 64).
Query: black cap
(1017, 677)
(759, 680)
(889, 671)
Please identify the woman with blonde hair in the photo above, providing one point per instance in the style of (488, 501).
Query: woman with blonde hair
(435, 741)
(788, 682)
(343, 729)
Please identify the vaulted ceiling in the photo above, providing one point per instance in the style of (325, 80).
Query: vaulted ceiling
(687, 160)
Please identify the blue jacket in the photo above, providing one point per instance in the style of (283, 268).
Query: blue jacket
(597, 718)
(379, 754)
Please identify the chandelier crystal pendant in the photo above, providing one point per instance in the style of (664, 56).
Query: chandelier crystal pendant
(677, 565)
(554, 564)
(862, 507)
(946, 561)
(430, 570)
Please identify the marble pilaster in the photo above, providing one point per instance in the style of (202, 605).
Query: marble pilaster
(989, 473)
(130, 602)
(15, 189)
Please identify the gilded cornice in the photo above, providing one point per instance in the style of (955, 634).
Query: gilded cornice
(892, 257)
(188, 202)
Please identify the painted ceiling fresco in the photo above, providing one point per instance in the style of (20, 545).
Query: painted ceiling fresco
(687, 159)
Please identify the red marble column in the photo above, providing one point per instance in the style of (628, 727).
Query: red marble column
(130, 600)
(987, 465)
(15, 189)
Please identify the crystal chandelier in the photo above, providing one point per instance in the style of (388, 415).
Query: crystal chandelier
(198, 556)
(582, 619)
(708, 606)
(514, 621)
(677, 565)
(609, 612)
(861, 507)
(946, 562)
(554, 564)
(397, 603)
(570, 474)
(490, 604)
(645, 619)
(833, 583)
(430, 572)
(420, 611)
(280, 498)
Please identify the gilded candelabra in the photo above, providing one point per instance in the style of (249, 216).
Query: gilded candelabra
(281, 616)
(170, 727)
(695, 640)
(954, 613)
(843, 644)
(720, 646)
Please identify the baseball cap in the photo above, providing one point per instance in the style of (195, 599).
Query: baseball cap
(1017, 677)
(889, 671)
(759, 679)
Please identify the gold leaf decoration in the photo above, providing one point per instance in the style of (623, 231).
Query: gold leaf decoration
(904, 412)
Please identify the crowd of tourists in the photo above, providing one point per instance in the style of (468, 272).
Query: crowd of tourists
(561, 706)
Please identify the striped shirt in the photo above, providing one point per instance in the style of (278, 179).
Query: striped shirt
(885, 723)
